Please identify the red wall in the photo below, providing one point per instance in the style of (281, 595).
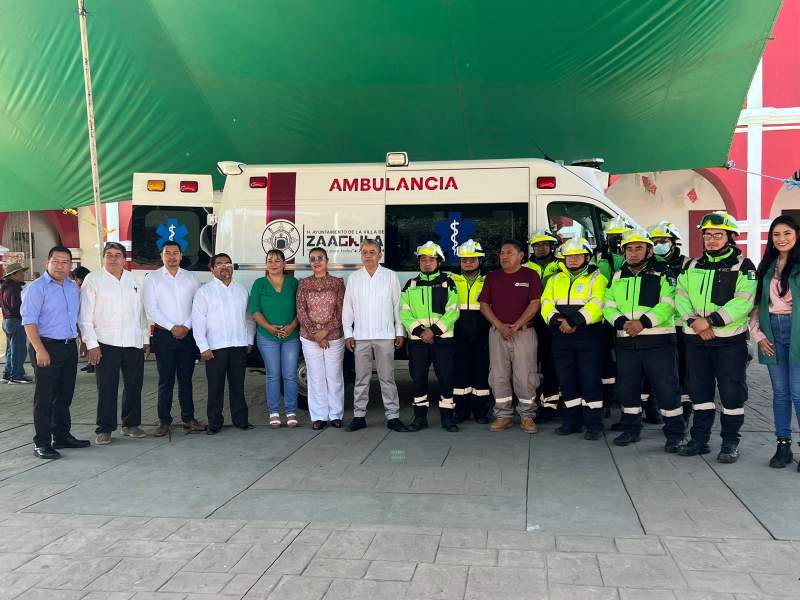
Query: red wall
(781, 59)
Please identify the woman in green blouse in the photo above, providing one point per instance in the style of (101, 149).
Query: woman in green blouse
(272, 304)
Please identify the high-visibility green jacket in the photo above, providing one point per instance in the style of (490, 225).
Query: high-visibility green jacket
(609, 262)
(545, 272)
(577, 298)
(648, 297)
(721, 289)
(675, 265)
(429, 301)
(471, 322)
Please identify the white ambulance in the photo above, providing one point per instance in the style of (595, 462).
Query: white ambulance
(295, 208)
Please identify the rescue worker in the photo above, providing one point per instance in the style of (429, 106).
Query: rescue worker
(471, 391)
(667, 249)
(544, 261)
(640, 306)
(714, 298)
(429, 311)
(609, 259)
(572, 308)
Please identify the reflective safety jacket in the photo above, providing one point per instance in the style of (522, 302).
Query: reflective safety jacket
(721, 289)
(675, 265)
(471, 323)
(609, 262)
(648, 297)
(545, 272)
(577, 298)
(429, 300)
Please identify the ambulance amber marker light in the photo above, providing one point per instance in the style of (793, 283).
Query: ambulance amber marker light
(156, 185)
(258, 182)
(189, 186)
(546, 183)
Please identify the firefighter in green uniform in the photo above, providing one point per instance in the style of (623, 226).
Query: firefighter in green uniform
(714, 298)
(609, 259)
(429, 311)
(544, 261)
(471, 388)
(667, 249)
(640, 305)
(572, 308)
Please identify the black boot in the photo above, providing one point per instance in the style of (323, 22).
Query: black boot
(418, 424)
(728, 453)
(544, 415)
(448, 422)
(693, 448)
(783, 454)
(618, 426)
(651, 412)
(626, 437)
(564, 430)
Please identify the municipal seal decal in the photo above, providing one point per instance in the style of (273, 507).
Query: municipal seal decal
(282, 235)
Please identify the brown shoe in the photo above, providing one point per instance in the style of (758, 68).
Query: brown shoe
(163, 429)
(501, 423)
(194, 425)
(528, 425)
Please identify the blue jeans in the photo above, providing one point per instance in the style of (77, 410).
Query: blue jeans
(280, 358)
(16, 342)
(785, 377)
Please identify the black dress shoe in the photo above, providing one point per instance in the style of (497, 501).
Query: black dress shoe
(46, 452)
(397, 425)
(356, 424)
(337, 423)
(318, 425)
(418, 424)
(71, 442)
(592, 436)
(625, 438)
(213, 430)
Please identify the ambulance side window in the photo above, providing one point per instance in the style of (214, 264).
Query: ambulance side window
(573, 219)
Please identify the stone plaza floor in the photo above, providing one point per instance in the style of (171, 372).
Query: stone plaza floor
(376, 514)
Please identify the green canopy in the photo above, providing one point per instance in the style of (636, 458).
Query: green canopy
(182, 84)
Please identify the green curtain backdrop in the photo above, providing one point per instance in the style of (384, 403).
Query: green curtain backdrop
(181, 84)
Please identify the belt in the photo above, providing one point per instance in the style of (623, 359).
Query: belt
(55, 341)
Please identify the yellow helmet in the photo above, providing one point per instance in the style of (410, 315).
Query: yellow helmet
(618, 225)
(719, 220)
(574, 246)
(542, 235)
(664, 229)
(430, 249)
(470, 249)
(636, 235)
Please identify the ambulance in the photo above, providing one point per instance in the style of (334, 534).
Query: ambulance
(402, 204)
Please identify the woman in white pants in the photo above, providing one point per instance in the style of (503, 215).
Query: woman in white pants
(319, 310)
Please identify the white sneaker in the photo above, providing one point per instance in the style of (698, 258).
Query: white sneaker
(134, 432)
(103, 439)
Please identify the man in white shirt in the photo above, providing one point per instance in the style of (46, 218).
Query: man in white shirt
(168, 295)
(372, 326)
(224, 333)
(114, 329)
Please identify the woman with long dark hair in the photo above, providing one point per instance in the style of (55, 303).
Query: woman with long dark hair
(775, 326)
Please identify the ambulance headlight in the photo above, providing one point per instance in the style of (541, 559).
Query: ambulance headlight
(396, 159)
(230, 167)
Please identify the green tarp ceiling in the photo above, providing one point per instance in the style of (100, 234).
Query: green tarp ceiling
(181, 84)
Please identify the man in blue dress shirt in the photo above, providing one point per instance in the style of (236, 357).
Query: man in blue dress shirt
(50, 317)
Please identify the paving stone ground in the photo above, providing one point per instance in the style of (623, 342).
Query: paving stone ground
(308, 515)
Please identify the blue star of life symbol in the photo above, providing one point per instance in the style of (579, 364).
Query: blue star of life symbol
(172, 231)
(453, 232)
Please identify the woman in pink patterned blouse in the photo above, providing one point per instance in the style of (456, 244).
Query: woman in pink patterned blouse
(319, 310)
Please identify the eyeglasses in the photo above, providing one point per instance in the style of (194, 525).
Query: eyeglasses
(318, 258)
(713, 236)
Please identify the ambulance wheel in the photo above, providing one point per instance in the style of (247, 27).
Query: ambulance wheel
(302, 383)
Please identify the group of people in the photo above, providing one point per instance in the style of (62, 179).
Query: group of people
(547, 338)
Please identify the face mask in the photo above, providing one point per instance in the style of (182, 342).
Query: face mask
(662, 249)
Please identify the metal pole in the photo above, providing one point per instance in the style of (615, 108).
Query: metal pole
(30, 244)
(87, 81)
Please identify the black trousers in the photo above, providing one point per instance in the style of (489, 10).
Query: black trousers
(174, 357)
(578, 359)
(471, 376)
(420, 357)
(660, 365)
(549, 387)
(721, 366)
(229, 363)
(609, 369)
(55, 386)
(115, 360)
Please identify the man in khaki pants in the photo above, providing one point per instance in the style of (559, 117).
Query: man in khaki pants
(509, 300)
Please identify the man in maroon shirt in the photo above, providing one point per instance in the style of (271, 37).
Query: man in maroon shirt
(509, 300)
(16, 341)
